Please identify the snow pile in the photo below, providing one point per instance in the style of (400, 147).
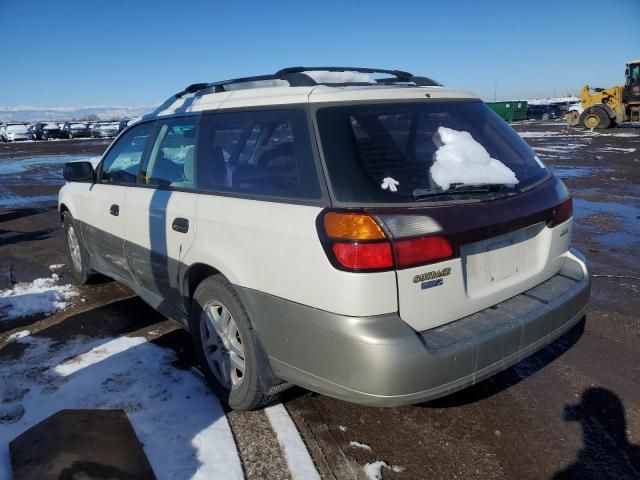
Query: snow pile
(42, 296)
(374, 470)
(460, 159)
(363, 446)
(181, 425)
(19, 335)
(324, 76)
(56, 266)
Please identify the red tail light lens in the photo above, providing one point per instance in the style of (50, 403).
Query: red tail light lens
(364, 256)
(421, 250)
(561, 213)
(355, 241)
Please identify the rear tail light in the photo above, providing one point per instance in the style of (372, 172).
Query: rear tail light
(419, 251)
(352, 226)
(357, 242)
(364, 256)
(561, 213)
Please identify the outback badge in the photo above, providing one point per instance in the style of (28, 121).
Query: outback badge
(421, 277)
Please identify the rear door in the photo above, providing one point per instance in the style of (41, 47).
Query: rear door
(102, 204)
(159, 222)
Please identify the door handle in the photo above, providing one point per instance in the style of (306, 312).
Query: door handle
(180, 225)
(114, 210)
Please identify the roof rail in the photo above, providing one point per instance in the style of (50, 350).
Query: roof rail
(296, 77)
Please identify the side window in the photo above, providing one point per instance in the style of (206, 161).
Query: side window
(172, 158)
(122, 163)
(262, 153)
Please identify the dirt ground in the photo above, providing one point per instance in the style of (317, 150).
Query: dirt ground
(570, 411)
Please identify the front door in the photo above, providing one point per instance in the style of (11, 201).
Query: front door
(160, 213)
(102, 204)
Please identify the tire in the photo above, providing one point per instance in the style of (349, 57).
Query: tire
(224, 342)
(595, 117)
(545, 116)
(76, 251)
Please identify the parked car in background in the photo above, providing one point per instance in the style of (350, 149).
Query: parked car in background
(352, 241)
(45, 131)
(76, 130)
(543, 112)
(106, 129)
(13, 132)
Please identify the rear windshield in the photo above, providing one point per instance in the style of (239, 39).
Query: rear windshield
(384, 153)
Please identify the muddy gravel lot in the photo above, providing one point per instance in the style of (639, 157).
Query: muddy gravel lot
(570, 411)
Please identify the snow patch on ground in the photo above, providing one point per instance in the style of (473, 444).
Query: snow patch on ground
(374, 470)
(460, 159)
(300, 463)
(42, 296)
(180, 424)
(538, 134)
(617, 149)
(19, 335)
(363, 446)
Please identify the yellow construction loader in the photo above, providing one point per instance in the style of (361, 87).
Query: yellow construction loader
(608, 107)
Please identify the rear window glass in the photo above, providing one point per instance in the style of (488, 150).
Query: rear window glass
(263, 153)
(366, 146)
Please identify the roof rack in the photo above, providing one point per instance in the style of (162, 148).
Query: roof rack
(296, 77)
(296, 74)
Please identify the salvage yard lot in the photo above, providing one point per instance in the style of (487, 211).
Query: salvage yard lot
(571, 409)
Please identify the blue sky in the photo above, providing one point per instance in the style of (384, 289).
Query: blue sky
(114, 52)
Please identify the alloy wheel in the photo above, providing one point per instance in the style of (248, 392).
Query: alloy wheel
(222, 345)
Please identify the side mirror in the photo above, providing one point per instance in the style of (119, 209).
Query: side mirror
(79, 172)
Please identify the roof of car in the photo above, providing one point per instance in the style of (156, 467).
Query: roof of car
(226, 94)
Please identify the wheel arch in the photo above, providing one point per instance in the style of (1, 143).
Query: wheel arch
(193, 276)
(62, 209)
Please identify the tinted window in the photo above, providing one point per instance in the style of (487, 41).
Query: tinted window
(172, 158)
(264, 153)
(364, 144)
(122, 162)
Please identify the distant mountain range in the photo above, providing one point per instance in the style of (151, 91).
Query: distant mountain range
(26, 113)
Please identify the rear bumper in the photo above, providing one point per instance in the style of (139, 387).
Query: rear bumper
(381, 361)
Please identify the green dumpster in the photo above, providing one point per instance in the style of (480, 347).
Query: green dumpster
(511, 110)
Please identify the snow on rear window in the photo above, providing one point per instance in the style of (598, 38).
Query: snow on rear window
(368, 147)
(460, 159)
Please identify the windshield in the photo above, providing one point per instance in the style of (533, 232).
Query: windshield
(77, 126)
(385, 153)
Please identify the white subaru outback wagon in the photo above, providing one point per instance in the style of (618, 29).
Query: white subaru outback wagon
(366, 234)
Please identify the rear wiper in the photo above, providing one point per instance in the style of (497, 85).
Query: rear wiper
(456, 188)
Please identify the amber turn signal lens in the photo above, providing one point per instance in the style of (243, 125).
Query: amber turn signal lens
(352, 226)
